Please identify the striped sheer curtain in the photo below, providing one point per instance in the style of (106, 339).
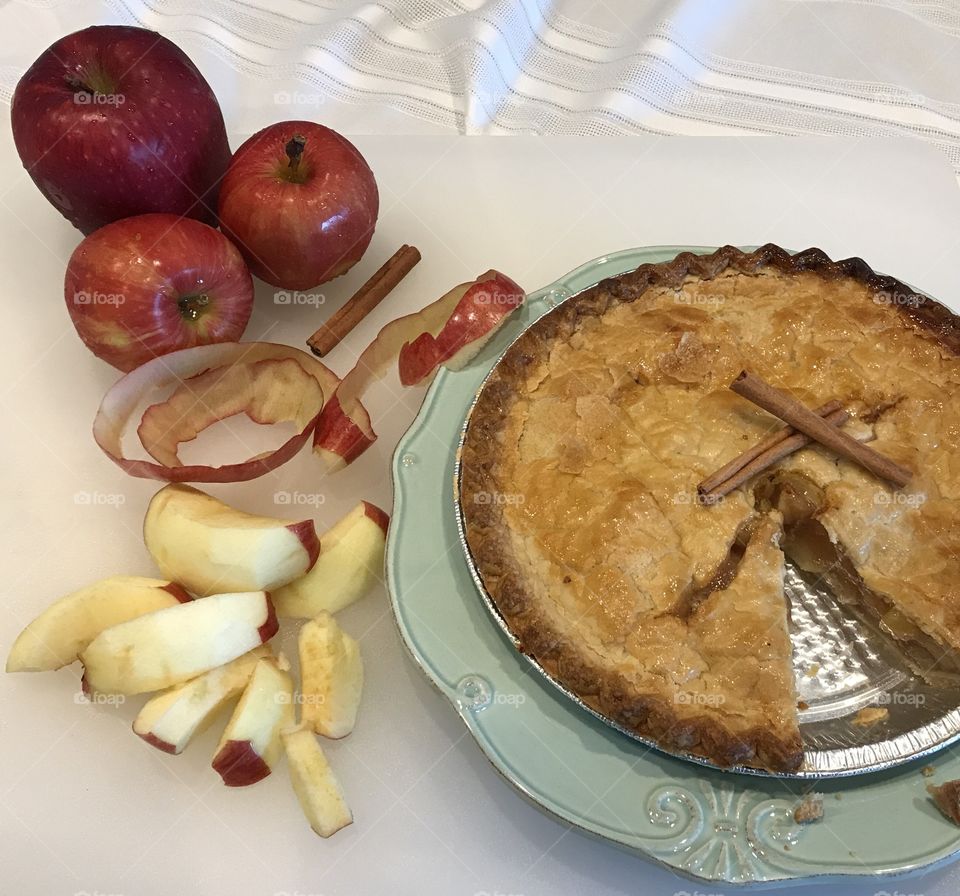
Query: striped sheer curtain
(853, 67)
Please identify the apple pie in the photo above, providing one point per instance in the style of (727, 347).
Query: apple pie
(665, 614)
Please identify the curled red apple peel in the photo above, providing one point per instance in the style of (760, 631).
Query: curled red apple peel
(340, 439)
(276, 383)
(270, 383)
(448, 332)
(476, 317)
(267, 391)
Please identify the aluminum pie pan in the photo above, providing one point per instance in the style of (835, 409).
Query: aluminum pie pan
(842, 665)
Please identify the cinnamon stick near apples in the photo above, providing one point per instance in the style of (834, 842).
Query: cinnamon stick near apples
(765, 459)
(801, 418)
(751, 454)
(364, 300)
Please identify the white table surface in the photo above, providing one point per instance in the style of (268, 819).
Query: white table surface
(85, 807)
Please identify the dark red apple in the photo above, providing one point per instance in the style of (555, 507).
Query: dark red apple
(115, 121)
(152, 284)
(300, 202)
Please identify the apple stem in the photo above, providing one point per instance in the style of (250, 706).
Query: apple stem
(74, 83)
(294, 150)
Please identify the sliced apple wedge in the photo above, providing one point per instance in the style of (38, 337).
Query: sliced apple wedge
(251, 745)
(172, 645)
(58, 635)
(210, 547)
(171, 720)
(331, 677)
(314, 783)
(350, 563)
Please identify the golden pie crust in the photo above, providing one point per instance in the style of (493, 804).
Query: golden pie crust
(581, 460)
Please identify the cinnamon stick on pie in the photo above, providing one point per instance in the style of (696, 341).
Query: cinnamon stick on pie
(800, 417)
(764, 455)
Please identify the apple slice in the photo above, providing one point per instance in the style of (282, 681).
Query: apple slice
(250, 745)
(331, 677)
(172, 645)
(211, 547)
(171, 720)
(350, 563)
(58, 635)
(313, 781)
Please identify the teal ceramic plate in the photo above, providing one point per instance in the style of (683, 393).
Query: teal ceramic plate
(708, 824)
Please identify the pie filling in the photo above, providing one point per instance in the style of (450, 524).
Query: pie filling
(808, 544)
(694, 595)
(578, 483)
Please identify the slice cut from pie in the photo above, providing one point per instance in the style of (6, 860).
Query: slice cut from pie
(579, 473)
(719, 664)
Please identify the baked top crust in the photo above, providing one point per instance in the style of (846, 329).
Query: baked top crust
(581, 460)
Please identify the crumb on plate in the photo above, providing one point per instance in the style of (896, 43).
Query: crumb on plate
(947, 798)
(809, 809)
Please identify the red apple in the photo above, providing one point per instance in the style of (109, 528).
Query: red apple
(115, 121)
(300, 202)
(152, 284)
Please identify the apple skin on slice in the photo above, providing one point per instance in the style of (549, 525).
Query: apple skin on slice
(251, 745)
(172, 719)
(215, 548)
(178, 643)
(349, 565)
(57, 636)
(331, 673)
(314, 783)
